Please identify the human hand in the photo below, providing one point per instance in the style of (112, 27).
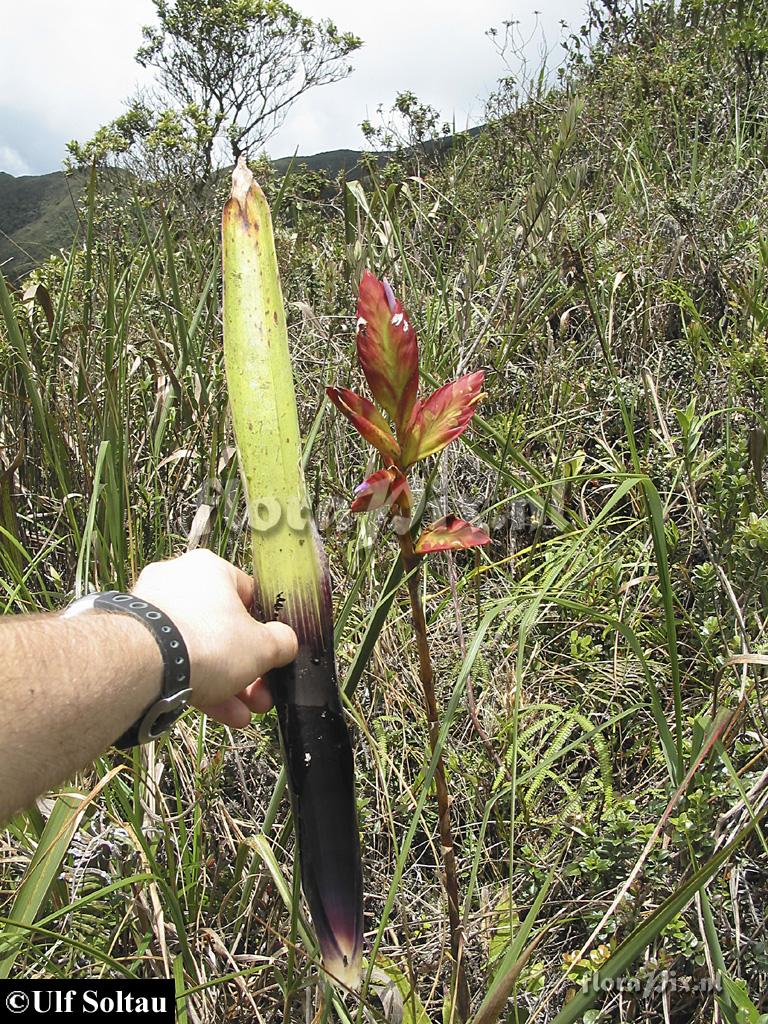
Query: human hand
(208, 600)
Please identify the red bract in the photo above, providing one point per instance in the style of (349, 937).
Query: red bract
(367, 420)
(442, 417)
(450, 534)
(387, 349)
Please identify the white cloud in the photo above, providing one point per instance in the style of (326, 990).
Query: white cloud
(66, 66)
(437, 50)
(12, 162)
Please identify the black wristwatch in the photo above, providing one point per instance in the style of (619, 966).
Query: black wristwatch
(174, 699)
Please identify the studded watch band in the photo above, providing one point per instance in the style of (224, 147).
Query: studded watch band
(174, 699)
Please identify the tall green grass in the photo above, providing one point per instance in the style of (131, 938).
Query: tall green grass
(604, 258)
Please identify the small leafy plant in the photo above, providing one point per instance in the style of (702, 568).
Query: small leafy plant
(388, 352)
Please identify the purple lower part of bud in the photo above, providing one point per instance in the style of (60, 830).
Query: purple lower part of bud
(320, 766)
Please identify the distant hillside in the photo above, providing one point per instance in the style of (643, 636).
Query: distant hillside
(38, 213)
(347, 160)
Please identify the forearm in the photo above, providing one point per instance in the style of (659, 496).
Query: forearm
(70, 688)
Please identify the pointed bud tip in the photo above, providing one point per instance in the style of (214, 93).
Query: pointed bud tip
(344, 970)
(242, 179)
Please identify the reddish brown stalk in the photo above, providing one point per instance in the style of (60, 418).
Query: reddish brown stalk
(412, 565)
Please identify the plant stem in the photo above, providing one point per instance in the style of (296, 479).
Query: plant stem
(412, 565)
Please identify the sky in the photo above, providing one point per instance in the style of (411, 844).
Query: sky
(66, 67)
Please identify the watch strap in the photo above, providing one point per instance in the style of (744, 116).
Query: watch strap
(174, 698)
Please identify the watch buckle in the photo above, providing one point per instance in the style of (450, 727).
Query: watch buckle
(164, 711)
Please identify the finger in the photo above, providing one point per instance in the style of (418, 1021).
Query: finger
(244, 584)
(232, 712)
(257, 697)
(280, 645)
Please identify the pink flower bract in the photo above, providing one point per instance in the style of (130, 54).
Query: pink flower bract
(442, 418)
(384, 487)
(367, 420)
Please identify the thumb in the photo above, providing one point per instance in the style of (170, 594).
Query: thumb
(279, 645)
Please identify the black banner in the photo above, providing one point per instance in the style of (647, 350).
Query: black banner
(103, 1001)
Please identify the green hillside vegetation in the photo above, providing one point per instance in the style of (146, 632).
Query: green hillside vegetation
(38, 216)
(336, 161)
(601, 249)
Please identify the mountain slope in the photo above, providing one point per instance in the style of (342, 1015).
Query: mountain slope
(38, 213)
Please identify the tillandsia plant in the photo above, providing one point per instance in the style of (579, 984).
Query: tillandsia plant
(407, 430)
(291, 577)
